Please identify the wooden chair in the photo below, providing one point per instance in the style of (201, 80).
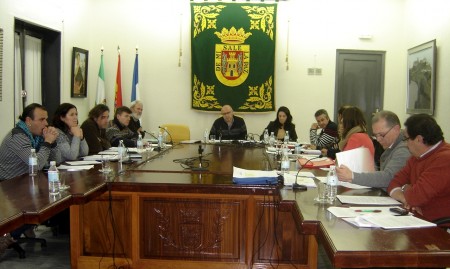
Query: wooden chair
(179, 132)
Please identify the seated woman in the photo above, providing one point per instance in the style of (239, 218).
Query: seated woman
(71, 142)
(281, 124)
(354, 132)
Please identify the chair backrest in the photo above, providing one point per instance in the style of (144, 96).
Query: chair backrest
(179, 132)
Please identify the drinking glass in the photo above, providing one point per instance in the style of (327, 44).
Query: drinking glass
(62, 180)
(106, 165)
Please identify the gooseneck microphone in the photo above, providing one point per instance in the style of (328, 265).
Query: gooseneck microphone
(297, 186)
(167, 131)
(152, 135)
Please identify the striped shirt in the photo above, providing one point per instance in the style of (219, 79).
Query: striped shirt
(15, 151)
(327, 136)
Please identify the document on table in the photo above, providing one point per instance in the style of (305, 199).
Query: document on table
(386, 221)
(83, 162)
(358, 160)
(75, 167)
(98, 157)
(256, 177)
(367, 200)
(345, 184)
(289, 179)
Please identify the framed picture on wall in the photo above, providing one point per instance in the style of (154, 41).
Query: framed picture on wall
(421, 81)
(80, 59)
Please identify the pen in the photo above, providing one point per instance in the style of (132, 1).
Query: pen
(367, 210)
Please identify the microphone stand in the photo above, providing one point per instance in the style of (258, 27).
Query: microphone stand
(299, 187)
(152, 135)
(165, 129)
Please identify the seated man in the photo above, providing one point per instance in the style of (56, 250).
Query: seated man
(119, 129)
(386, 129)
(229, 126)
(31, 132)
(94, 129)
(329, 134)
(423, 185)
(135, 123)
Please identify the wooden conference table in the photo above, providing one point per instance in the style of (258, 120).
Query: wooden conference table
(161, 215)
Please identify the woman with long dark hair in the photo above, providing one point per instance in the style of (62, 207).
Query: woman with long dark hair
(71, 142)
(281, 124)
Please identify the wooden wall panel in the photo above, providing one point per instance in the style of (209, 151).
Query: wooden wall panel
(276, 236)
(105, 233)
(200, 229)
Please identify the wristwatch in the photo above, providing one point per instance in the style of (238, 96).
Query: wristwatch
(404, 187)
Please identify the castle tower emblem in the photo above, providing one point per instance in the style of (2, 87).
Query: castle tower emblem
(232, 57)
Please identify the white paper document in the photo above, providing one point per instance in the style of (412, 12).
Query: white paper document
(98, 157)
(75, 167)
(82, 162)
(244, 173)
(359, 160)
(355, 211)
(367, 200)
(289, 180)
(386, 221)
(345, 184)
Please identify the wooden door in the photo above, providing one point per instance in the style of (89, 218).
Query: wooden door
(360, 81)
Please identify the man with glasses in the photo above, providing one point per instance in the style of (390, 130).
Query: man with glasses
(229, 126)
(423, 185)
(387, 131)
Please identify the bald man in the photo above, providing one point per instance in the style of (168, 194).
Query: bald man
(229, 126)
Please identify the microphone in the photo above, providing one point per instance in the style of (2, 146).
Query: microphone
(165, 129)
(297, 186)
(152, 135)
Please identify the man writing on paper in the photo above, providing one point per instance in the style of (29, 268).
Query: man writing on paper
(423, 185)
(386, 129)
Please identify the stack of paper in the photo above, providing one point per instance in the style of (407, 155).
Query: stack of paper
(367, 200)
(243, 176)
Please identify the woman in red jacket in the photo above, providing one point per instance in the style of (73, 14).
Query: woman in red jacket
(354, 133)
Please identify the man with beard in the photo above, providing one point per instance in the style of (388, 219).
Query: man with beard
(136, 108)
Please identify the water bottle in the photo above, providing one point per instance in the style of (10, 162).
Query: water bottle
(266, 136)
(272, 139)
(206, 135)
(332, 182)
(285, 163)
(122, 151)
(53, 179)
(33, 163)
(160, 140)
(286, 137)
(140, 144)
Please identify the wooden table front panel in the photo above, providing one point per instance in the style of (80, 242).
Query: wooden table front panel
(100, 238)
(185, 228)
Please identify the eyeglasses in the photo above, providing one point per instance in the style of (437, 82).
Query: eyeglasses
(375, 136)
(406, 138)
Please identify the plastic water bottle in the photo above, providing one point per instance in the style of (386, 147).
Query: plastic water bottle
(266, 136)
(140, 144)
(332, 182)
(160, 140)
(33, 163)
(285, 163)
(205, 136)
(53, 179)
(272, 139)
(286, 137)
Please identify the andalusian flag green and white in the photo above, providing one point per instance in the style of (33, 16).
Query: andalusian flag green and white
(233, 56)
(101, 98)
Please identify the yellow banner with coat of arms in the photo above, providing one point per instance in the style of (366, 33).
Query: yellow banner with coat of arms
(233, 55)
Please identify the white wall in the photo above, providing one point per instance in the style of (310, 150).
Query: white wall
(317, 28)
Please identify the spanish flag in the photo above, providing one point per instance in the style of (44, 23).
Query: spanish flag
(118, 91)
